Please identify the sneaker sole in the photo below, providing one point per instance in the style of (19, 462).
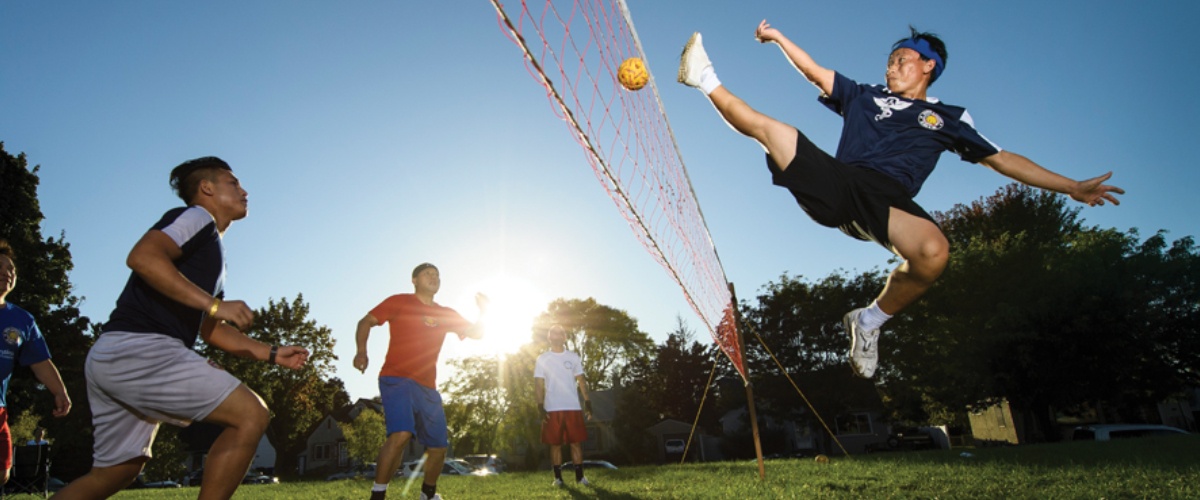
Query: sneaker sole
(682, 77)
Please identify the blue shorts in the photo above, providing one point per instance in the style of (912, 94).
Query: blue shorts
(412, 407)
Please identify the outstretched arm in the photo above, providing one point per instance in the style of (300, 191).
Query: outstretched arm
(819, 76)
(47, 374)
(1091, 191)
(229, 339)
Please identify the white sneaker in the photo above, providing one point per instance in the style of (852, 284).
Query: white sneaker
(583, 482)
(693, 61)
(558, 483)
(864, 346)
(436, 496)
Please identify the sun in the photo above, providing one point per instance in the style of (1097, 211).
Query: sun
(514, 305)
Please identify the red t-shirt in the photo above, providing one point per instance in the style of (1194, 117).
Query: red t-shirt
(418, 331)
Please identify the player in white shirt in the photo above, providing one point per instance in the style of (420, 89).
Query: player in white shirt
(555, 376)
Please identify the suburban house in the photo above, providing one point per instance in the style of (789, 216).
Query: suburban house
(199, 437)
(326, 448)
(703, 447)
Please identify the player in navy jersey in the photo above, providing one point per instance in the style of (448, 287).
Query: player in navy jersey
(891, 140)
(142, 370)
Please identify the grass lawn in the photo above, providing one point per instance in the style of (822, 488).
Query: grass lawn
(1165, 467)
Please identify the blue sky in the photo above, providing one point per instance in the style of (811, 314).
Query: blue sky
(373, 136)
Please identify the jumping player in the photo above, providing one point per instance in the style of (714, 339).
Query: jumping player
(142, 369)
(890, 143)
(23, 343)
(555, 376)
(408, 380)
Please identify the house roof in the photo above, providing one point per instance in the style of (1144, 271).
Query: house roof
(670, 426)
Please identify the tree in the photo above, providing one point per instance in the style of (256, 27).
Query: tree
(298, 399)
(44, 290)
(169, 454)
(1040, 310)
(606, 339)
(364, 435)
(476, 403)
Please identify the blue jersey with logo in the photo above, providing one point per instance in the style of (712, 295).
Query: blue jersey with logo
(900, 137)
(21, 342)
(142, 309)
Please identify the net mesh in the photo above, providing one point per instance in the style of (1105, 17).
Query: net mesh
(573, 49)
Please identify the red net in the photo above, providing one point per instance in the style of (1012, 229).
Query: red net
(573, 49)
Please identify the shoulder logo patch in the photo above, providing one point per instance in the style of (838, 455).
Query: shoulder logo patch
(931, 120)
(886, 105)
(430, 321)
(12, 336)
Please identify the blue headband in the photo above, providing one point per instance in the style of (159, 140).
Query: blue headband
(922, 47)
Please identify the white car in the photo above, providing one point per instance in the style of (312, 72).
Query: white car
(675, 446)
(451, 467)
(492, 463)
(1106, 432)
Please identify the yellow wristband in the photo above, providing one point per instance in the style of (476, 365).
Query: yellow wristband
(212, 311)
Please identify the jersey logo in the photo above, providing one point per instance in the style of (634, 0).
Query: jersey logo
(931, 120)
(430, 321)
(12, 336)
(887, 105)
(570, 365)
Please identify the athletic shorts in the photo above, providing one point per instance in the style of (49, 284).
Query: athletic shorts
(564, 427)
(853, 199)
(6, 449)
(412, 407)
(137, 380)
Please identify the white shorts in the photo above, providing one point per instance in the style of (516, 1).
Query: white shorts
(137, 380)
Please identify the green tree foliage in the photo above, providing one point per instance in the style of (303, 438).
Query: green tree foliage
(475, 408)
(606, 339)
(1036, 308)
(21, 427)
(364, 435)
(169, 453)
(44, 290)
(298, 399)
(669, 384)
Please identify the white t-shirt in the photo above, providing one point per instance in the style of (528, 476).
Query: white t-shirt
(559, 371)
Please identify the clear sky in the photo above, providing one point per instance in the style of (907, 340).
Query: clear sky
(373, 136)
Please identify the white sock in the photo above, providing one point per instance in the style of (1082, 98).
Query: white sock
(873, 317)
(708, 80)
(379, 487)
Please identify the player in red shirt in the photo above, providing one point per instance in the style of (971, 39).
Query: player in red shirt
(407, 382)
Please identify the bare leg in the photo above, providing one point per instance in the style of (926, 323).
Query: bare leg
(776, 137)
(245, 418)
(555, 455)
(577, 454)
(436, 457)
(102, 482)
(925, 252)
(390, 456)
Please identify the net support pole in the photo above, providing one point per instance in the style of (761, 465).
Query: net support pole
(737, 316)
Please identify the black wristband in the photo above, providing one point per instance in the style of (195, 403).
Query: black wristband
(274, 350)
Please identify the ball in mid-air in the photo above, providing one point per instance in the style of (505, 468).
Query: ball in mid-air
(632, 74)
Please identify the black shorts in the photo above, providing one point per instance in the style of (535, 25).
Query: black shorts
(851, 198)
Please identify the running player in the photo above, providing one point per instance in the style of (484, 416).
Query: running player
(142, 369)
(555, 376)
(408, 380)
(891, 140)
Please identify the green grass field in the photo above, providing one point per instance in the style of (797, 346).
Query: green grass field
(1149, 468)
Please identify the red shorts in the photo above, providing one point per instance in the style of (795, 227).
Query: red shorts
(5, 440)
(564, 427)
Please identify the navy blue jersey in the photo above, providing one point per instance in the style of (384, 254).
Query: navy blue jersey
(21, 342)
(900, 137)
(142, 309)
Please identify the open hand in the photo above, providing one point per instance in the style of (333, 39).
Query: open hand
(1093, 192)
(765, 33)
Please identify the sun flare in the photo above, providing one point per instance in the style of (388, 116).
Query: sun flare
(514, 305)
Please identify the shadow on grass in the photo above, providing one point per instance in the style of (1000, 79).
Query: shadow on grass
(601, 494)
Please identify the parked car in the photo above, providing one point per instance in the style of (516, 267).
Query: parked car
(675, 446)
(493, 463)
(140, 483)
(1105, 432)
(252, 477)
(361, 470)
(451, 467)
(589, 464)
